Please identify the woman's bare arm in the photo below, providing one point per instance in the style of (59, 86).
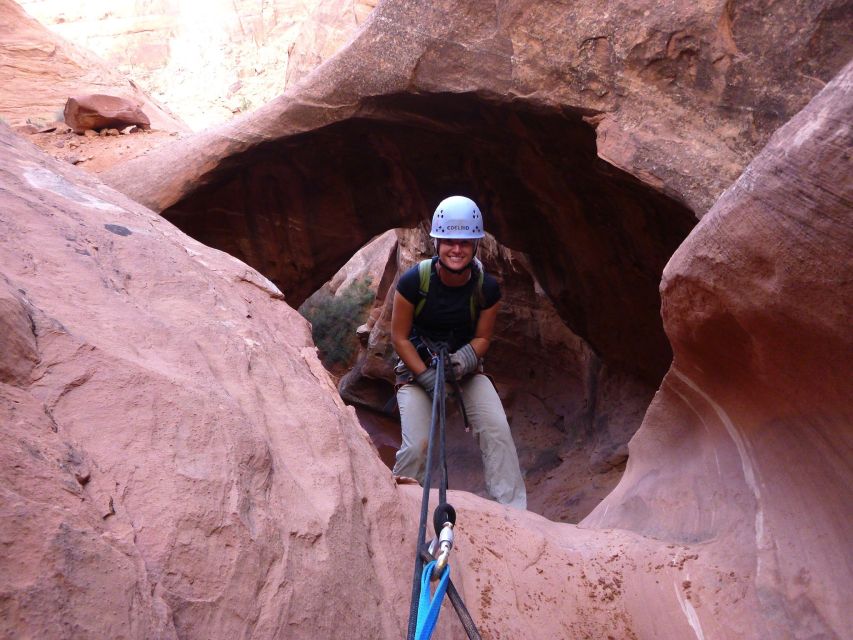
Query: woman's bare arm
(402, 316)
(485, 330)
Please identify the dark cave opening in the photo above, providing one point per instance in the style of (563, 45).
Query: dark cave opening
(596, 237)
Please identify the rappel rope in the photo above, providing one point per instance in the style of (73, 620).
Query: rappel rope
(424, 609)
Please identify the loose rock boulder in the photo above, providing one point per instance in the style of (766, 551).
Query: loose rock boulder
(102, 112)
(39, 70)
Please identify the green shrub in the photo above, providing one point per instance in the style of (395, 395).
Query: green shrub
(334, 320)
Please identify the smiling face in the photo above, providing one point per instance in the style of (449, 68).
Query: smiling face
(456, 254)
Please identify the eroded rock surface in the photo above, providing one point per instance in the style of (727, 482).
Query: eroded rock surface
(515, 105)
(175, 460)
(747, 445)
(40, 70)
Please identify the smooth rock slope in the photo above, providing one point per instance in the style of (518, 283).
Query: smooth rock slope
(176, 462)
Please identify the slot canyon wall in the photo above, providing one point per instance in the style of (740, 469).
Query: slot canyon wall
(592, 140)
(515, 105)
(755, 412)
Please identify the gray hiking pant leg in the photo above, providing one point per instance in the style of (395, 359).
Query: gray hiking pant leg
(415, 415)
(500, 458)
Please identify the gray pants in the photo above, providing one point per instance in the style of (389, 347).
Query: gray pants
(488, 420)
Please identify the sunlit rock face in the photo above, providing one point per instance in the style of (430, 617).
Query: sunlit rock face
(747, 444)
(40, 70)
(207, 60)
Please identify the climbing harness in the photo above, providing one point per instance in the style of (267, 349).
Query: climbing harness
(433, 350)
(424, 609)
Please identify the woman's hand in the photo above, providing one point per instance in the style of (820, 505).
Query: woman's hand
(464, 361)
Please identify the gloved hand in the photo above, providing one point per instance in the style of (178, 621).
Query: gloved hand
(464, 361)
(427, 380)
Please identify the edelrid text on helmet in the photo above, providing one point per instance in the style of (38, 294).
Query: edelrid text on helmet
(457, 217)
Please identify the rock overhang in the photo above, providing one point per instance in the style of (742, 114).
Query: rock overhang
(672, 92)
(297, 207)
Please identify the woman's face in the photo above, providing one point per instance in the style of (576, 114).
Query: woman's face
(456, 254)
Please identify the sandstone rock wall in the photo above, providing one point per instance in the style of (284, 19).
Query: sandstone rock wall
(173, 466)
(749, 438)
(176, 463)
(175, 460)
(39, 71)
(516, 105)
(210, 60)
(683, 95)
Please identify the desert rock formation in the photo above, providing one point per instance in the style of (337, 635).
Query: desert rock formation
(176, 461)
(174, 454)
(755, 411)
(210, 60)
(513, 104)
(592, 140)
(39, 71)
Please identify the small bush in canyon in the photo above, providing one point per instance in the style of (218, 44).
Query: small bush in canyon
(334, 319)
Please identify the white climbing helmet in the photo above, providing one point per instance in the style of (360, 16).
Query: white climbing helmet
(459, 218)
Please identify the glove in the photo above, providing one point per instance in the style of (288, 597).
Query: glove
(464, 361)
(427, 380)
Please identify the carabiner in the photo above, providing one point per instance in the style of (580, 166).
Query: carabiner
(445, 544)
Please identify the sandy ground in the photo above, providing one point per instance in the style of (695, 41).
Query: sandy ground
(96, 153)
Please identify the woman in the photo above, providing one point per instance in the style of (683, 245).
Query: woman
(457, 305)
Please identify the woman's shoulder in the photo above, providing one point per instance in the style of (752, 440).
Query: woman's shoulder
(491, 290)
(409, 284)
